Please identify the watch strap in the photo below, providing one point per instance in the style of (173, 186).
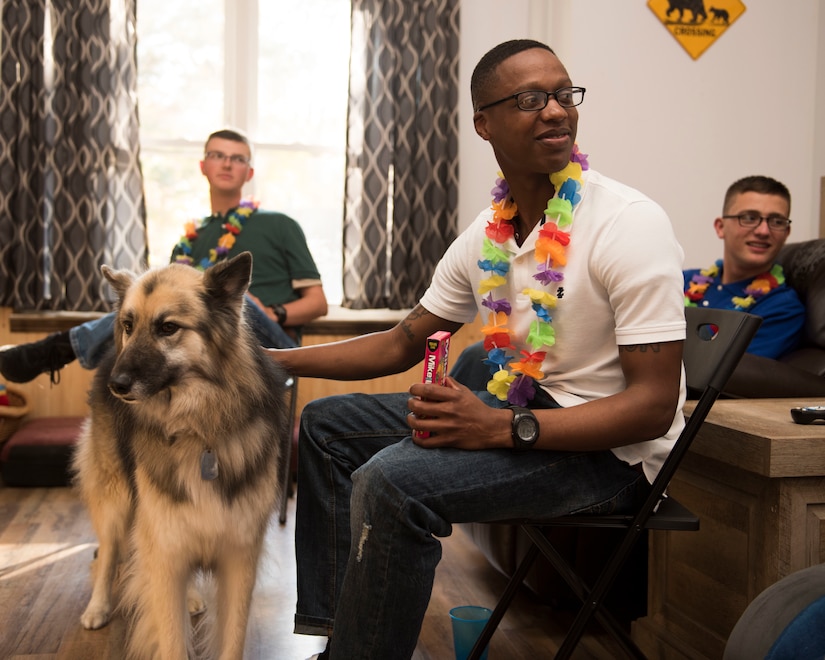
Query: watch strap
(280, 312)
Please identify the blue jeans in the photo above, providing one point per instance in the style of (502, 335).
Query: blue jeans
(371, 502)
(92, 339)
(469, 369)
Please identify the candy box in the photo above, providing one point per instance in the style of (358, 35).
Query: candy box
(435, 364)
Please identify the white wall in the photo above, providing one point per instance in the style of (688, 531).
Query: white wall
(484, 23)
(678, 129)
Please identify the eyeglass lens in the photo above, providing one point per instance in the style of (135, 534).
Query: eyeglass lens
(753, 220)
(566, 97)
(235, 159)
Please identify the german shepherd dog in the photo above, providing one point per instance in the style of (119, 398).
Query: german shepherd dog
(178, 462)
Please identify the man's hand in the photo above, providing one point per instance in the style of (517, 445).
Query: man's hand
(455, 417)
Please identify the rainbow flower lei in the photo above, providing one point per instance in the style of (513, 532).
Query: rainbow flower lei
(551, 254)
(761, 285)
(233, 226)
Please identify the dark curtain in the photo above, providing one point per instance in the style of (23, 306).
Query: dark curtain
(401, 208)
(71, 190)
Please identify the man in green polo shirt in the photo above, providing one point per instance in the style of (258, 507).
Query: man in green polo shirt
(285, 292)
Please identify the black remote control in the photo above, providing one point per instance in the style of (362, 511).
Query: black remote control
(808, 414)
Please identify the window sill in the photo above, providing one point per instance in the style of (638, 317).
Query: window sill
(48, 321)
(339, 321)
(342, 321)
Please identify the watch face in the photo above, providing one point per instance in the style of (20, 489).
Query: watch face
(527, 428)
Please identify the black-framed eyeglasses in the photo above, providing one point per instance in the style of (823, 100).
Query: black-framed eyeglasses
(534, 100)
(235, 159)
(750, 220)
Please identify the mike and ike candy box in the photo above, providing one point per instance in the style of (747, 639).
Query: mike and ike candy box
(435, 364)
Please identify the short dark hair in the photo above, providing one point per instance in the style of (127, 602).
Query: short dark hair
(764, 185)
(484, 75)
(230, 134)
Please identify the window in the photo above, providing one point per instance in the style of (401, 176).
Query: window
(275, 69)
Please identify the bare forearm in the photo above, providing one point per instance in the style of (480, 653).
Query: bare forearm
(359, 358)
(458, 419)
(311, 305)
(368, 356)
(624, 418)
(308, 307)
(644, 410)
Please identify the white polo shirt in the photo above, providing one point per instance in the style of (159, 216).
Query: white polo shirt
(622, 286)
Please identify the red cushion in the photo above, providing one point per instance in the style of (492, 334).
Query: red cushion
(40, 451)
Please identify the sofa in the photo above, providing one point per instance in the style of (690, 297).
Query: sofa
(800, 373)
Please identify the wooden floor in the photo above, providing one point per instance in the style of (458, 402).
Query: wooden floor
(47, 543)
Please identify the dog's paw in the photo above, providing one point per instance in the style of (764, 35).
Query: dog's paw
(195, 603)
(95, 617)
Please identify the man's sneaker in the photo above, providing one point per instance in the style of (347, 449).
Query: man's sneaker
(20, 364)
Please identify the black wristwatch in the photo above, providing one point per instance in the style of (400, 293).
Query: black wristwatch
(525, 428)
(280, 312)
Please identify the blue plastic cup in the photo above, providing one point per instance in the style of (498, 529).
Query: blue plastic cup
(468, 622)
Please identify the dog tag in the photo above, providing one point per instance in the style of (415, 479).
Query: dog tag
(209, 465)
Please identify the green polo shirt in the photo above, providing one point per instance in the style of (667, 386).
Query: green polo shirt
(281, 261)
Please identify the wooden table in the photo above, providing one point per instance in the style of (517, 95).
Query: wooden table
(757, 482)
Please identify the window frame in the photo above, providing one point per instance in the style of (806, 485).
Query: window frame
(240, 110)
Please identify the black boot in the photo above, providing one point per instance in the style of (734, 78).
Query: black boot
(20, 364)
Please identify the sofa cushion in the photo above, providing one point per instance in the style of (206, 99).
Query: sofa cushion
(805, 361)
(39, 453)
(804, 266)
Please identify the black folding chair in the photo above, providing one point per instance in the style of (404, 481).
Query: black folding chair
(716, 340)
(285, 477)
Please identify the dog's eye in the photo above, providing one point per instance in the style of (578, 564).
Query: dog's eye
(127, 327)
(168, 328)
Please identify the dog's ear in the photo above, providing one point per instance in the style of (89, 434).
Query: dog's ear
(229, 280)
(120, 280)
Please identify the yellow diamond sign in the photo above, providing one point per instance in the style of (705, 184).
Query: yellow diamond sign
(696, 24)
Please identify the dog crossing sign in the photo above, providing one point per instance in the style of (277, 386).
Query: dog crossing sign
(696, 24)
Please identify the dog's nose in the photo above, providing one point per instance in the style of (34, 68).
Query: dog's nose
(120, 384)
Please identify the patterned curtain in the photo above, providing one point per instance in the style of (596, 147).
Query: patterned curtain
(401, 208)
(71, 190)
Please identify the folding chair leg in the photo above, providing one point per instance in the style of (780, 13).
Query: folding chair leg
(503, 603)
(574, 634)
(590, 607)
(285, 473)
(284, 478)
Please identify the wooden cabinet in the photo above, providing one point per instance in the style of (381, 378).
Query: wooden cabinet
(757, 482)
